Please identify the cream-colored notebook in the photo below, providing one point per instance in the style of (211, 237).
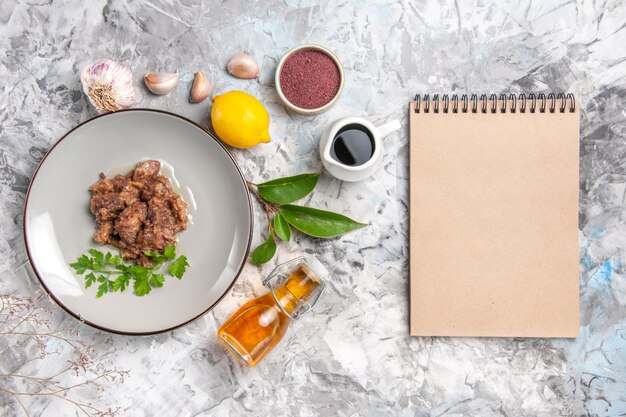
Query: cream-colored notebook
(494, 216)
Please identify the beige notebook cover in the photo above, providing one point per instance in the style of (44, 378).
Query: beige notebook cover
(494, 221)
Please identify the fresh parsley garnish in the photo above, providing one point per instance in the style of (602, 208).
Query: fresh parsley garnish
(112, 274)
(178, 267)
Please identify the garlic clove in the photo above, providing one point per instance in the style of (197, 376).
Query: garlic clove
(200, 89)
(108, 85)
(161, 83)
(243, 66)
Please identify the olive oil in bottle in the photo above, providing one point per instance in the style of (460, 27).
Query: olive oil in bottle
(257, 327)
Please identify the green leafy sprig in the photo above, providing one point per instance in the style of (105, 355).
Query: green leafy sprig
(276, 197)
(112, 274)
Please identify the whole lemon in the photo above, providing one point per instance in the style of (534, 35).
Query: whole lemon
(240, 120)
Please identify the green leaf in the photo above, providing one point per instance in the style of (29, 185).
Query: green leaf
(98, 256)
(157, 280)
(82, 264)
(169, 252)
(102, 289)
(120, 283)
(142, 287)
(289, 189)
(137, 271)
(265, 251)
(117, 260)
(318, 223)
(178, 267)
(90, 278)
(281, 227)
(155, 257)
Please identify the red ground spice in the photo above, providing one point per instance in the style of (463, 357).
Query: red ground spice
(309, 79)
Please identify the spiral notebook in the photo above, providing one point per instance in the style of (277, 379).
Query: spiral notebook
(494, 216)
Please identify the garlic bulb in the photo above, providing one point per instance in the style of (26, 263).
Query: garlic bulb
(161, 82)
(243, 66)
(200, 89)
(109, 85)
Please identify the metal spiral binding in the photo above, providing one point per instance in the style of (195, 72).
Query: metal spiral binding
(513, 103)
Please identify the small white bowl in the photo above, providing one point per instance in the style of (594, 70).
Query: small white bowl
(308, 47)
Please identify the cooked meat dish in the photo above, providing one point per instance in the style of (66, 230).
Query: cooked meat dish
(137, 212)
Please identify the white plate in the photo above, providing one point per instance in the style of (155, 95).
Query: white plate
(58, 225)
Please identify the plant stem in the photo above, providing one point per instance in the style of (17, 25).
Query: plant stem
(268, 207)
(17, 398)
(25, 320)
(34, 335)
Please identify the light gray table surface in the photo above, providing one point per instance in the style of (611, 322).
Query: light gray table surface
(353, 355)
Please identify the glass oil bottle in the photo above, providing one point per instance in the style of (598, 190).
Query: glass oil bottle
(257, 327)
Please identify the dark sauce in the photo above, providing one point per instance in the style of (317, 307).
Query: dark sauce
(353, 145)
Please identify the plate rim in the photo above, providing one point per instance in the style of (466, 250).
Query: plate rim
(153, 332)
